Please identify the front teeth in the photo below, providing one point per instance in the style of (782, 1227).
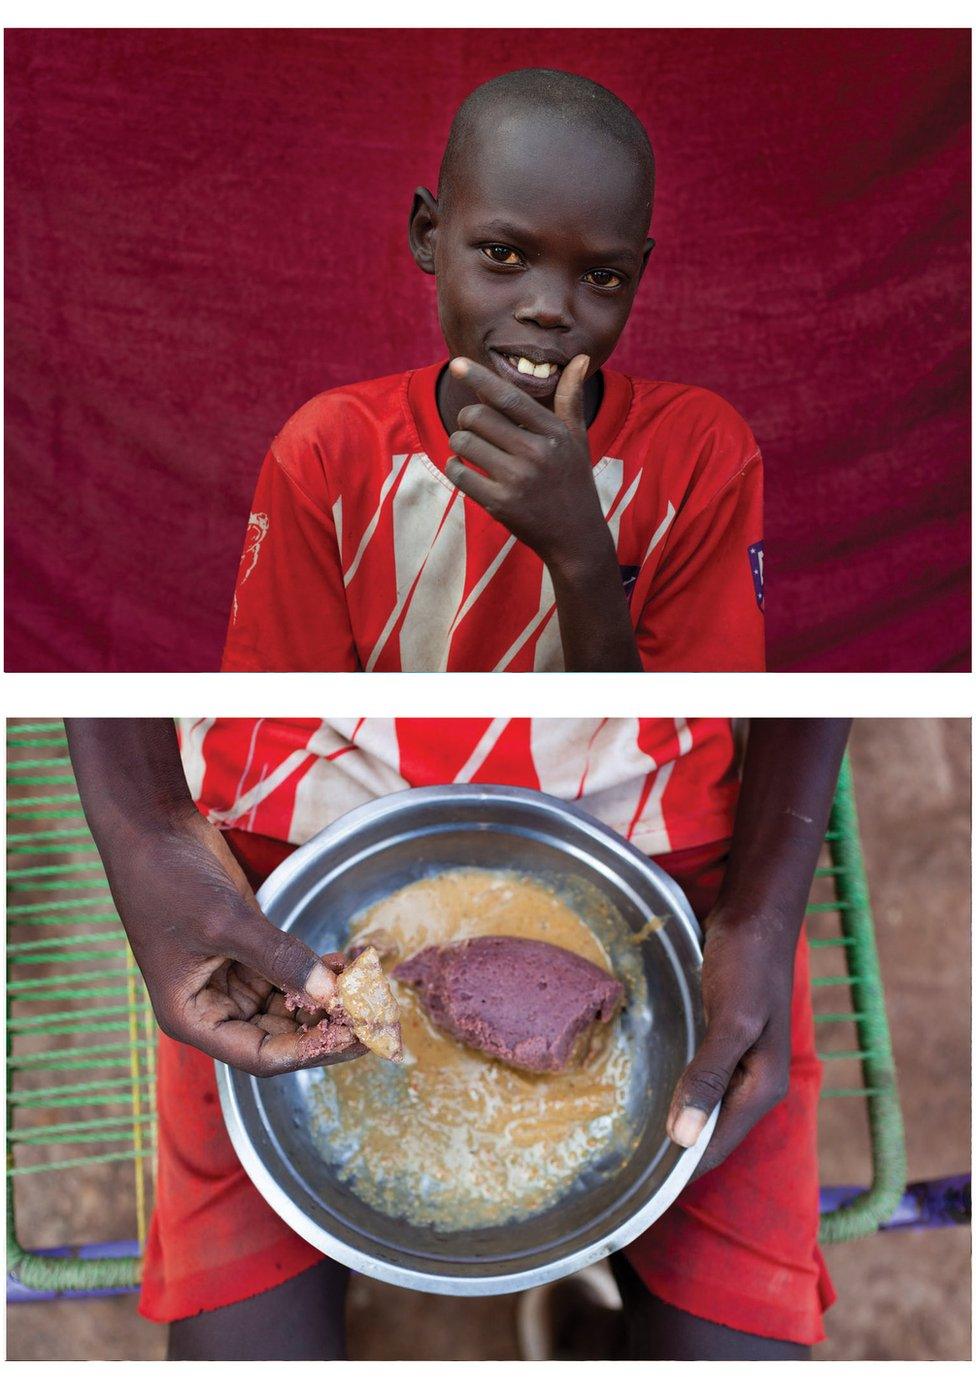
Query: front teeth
(525, 366)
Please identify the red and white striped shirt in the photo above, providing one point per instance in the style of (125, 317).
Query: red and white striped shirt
(360, 554)
(664, 784)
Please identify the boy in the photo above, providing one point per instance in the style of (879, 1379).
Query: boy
(732, 1269)
(522, 507)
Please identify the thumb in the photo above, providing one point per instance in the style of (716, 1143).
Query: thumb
(286, 962)
(568, 402)
(703, 1085)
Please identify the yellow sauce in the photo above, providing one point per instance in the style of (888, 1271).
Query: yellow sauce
(450, 1137)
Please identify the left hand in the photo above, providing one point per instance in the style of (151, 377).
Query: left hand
(744, 1058)
(538, 478)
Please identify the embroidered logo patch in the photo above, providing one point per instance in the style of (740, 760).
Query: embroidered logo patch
(628, 577)
(756, 553)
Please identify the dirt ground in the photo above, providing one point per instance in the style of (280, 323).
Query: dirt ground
(901, 1296)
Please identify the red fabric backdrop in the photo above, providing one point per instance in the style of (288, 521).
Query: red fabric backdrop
(204, 228)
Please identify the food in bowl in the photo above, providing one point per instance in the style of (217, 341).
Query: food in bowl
(454, 1140)
(524, 1001)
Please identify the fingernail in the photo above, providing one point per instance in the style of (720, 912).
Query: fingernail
(459, 366)
(687, 1127)
(320, 984)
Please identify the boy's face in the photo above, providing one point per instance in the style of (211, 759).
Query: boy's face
(540, 250)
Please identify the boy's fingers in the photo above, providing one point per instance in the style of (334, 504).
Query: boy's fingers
(267, 1043)
(257, 1050)
(749, 1099)
(355, 1052)
(483, 454)
(517, 406)
(486, 422)
(274, 1024)
(284, 960)
(479, 488)
(568, 403)
(704, 1083)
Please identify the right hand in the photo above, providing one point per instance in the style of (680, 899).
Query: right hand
(535, 475)
(216, 969)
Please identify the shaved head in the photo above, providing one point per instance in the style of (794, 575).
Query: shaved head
(538, 234)
(539, 94)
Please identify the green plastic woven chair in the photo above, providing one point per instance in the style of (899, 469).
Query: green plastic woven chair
(81, 1037)
(80, 1032)
(861, 979)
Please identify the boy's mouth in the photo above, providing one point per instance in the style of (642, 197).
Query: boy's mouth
(531, 373)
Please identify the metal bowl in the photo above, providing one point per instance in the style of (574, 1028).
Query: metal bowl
(369, 854)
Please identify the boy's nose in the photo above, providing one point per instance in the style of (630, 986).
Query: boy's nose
(547, 304)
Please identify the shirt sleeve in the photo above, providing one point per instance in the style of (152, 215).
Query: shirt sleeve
(704, 609)
(289, 611)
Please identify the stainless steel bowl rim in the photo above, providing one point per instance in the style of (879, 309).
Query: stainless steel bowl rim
(515, 1280)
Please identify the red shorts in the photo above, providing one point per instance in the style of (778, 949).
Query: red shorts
(739, 1247)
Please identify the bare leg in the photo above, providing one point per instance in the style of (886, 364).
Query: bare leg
(658, 1332)
(301, 1320)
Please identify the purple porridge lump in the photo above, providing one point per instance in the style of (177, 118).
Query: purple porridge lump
(326, 1031)
(330, 1036)
(300, 1001)
(519, 1000)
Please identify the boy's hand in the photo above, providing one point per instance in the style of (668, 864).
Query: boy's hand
(538, 479)
(538, 483)
(788, 782)
(216, 969)
(744, 1058)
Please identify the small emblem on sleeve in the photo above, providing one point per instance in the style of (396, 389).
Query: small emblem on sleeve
(628, 577)
(756, 553)
(257, 528)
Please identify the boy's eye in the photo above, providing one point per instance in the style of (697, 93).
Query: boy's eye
(501, 253)
(603, 277)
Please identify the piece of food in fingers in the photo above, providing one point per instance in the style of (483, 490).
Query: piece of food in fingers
(528, 1003)
(332, 1035)
(363, 1011)
(366, 999)
(322, 1031)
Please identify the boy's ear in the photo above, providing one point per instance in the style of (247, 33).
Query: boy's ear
(422, 232)
(648, 250)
